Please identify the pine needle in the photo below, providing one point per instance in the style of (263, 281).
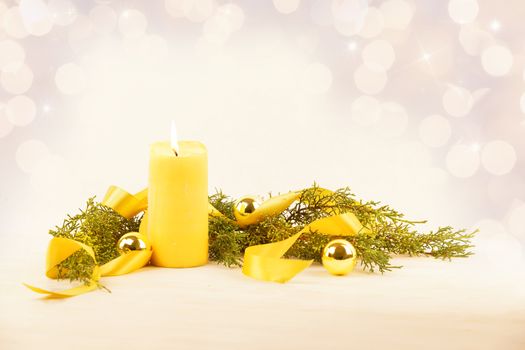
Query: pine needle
(392, 234)
(97, 226)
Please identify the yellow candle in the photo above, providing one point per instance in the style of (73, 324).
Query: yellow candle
(178, 204)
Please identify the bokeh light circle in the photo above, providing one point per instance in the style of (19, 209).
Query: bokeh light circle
(435, 131)
(132, 23)
(42, 27)
(5, 125)
(457, 101)
(462, 161)
(233, 14)
(16, 78)
(63, 12)
(374, 23)
(498, 157)
(20, 110)
(198, 10)
(104, 19)
(370, 79)
(349, 16)
(365, 110)
(286, 6)
(379, 53)
(70, 79)
(217, 29)
(397, 14)
(473, 39)
(13, 24)
(463, 11)
(497, 60)
(11, 53)
(36, 17)
(29, 153)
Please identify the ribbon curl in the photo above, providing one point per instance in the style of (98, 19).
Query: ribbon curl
(59, 248)
(265, 261)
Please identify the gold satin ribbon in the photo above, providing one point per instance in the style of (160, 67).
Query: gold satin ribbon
(59, 249)
(124, 203)
(264, 262)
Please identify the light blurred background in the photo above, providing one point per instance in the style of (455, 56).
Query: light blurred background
(418, 104)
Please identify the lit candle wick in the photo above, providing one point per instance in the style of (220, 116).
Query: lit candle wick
(174, 140)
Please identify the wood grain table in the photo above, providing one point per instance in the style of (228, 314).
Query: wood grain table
(428, 304)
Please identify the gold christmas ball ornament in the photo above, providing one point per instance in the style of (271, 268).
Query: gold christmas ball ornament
(245, 206)
(339, 257)
(133, 241)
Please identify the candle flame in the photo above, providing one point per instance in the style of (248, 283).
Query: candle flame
(174, 139)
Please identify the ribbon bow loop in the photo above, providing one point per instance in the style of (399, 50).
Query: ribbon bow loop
(59, 249)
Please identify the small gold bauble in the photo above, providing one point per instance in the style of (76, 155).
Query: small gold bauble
(133, 241)
(245, 205)
(339, 257)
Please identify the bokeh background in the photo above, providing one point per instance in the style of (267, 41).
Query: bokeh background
(419, 104)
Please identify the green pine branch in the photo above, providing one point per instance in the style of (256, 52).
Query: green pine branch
(390, 234)
(99, 227)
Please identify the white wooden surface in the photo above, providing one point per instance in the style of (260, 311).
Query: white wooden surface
(429, 304)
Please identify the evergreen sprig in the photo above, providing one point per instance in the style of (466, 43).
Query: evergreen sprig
(99, 227)
(388, 232)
